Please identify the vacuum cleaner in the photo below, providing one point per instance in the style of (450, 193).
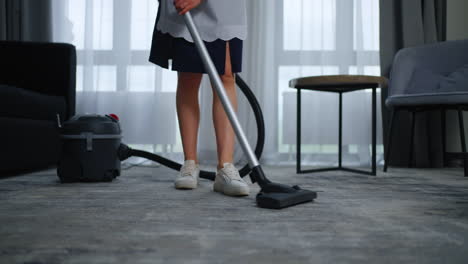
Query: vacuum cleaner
(91, 137)
(92, 149)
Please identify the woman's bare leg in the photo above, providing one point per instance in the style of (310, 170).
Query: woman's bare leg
(225, 137)
(188, 112)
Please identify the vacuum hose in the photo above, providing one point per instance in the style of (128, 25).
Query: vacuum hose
(126, 152)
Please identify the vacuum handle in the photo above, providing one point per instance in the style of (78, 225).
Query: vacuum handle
(219, 87)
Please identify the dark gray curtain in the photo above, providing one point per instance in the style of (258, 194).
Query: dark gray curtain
(26, 20)
(407, 23)
(2, 21)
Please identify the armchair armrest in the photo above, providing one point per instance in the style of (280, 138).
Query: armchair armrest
(48, 68)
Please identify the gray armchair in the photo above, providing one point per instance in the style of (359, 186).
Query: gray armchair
(427, 78)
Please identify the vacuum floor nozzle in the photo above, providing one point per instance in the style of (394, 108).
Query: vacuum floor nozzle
(277, 196)
(278, 200)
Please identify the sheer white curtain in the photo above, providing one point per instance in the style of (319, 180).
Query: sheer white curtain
(287, 39)
(296, 38)
(113, 38)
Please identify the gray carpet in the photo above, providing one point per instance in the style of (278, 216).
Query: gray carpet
(405, 216)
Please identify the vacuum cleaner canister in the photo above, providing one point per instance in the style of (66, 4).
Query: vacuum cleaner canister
(90, 145)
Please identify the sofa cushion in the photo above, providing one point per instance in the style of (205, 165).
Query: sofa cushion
(20, 103)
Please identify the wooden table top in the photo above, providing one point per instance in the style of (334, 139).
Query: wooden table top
(338, 83)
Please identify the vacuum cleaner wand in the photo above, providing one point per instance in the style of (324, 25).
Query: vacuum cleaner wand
(272, 195)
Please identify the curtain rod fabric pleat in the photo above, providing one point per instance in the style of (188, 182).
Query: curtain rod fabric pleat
(26, 20)
(3, 22)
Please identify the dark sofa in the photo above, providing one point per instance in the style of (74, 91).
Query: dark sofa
(37, 82)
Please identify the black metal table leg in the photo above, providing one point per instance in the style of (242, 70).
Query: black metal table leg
(340, 131)
(340, 137)
(298, 132)
(374, 131)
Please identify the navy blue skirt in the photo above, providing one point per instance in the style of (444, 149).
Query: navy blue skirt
(185, 57)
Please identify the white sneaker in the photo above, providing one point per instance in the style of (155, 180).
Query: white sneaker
(188, 176)
(229, 182)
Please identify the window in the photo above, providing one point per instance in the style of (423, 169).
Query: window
(113, 40)
(322, 37)
(118, 34)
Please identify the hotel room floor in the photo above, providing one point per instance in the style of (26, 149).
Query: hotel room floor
(404, 216)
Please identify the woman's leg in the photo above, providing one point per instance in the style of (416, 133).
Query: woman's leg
(188, 112)
(225, 137)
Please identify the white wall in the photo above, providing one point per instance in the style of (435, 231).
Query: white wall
(457, 28)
